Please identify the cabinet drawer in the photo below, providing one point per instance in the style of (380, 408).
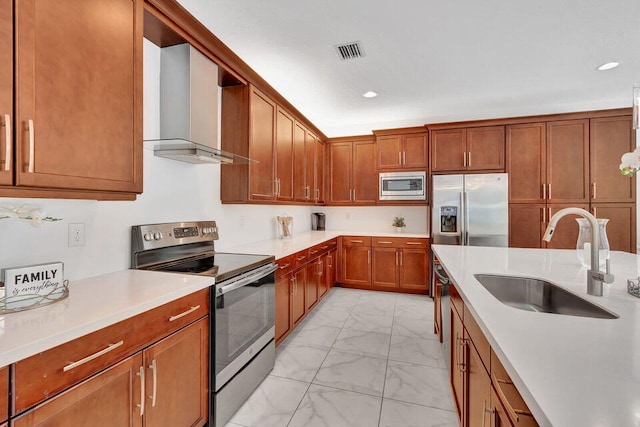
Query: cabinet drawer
(315, 251)
(399, 242)
(508, 394)
(326, 246)
(4, 394)
(356, 241)
(45, 374)
(456, 301)
(300, 258)
(285, 265)
(479, 340)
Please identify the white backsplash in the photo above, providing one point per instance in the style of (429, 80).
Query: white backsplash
(378, 218)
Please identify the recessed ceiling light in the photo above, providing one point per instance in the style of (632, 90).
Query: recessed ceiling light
(608, 66)
(370, 94)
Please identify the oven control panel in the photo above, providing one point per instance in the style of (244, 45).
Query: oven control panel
(154, 236)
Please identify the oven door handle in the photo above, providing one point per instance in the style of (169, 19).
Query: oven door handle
(245, 280)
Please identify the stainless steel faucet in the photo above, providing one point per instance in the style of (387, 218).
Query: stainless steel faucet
(595, 277)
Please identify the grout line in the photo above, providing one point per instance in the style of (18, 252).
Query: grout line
(453, 411)
(386, 369)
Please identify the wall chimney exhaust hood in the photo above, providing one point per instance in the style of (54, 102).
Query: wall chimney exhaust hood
(189, 108)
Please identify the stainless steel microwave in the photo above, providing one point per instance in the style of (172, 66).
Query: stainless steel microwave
(403, 186)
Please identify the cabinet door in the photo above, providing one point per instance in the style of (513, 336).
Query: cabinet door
(331, 271)
(365, 178)
(356, 265)
(415, 153)
(283, 291)
(4, 394)
(110, 398)
(526, 162)
(385, 267)
(568, 161)
(485, 148)
(319, 181)
(621, 228)
(527, 225)
(448, 150)
(611, 137)
(389, 152)
(261, 143)
(479, 390)
(340, 172)
(323, 282)
(458, 359)
(500, 417)
(297, 306)
(79, 83)
(414, 269)
(566, 233)
(310, 166)
(177, 378)
(311, 286)
(284, 156)
(6, 92)
(299, 161)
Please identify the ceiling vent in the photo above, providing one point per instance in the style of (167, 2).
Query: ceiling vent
(352, 50)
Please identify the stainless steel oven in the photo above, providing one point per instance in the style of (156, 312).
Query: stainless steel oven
(403, 186)
(242, 323)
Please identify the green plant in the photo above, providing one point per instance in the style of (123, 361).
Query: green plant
(399, 222)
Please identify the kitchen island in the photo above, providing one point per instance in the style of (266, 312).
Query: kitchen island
(571, 371)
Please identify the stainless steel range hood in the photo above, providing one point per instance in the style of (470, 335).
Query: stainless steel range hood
(189, 108)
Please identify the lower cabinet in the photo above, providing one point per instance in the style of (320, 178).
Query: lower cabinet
(483, 392)
(4, 394)
(283, 310)
(114, 397)
(312, 284)
(299, 279)
(400, 264)
(356, 265)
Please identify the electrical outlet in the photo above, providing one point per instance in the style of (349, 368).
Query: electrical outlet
(76, 234)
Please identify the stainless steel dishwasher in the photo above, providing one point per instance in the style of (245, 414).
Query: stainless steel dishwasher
(440, 275)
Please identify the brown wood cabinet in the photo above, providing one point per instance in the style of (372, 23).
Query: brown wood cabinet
(527, 223)
(298, 308)
(283, 306)
(470, 149)
(262, 116)
(458, 360)
(397, 265)
(386, 268)
(323, 273)
(312, 283)
(621, 228)
(356, 265)
(610, 138)
(177, 378)
(113, 397)
(308, 166)
(77, 78)
(4, 394)
(568, 161)
(320, 169)
(479, 389)
(401, 151)
(284, 156)
(352, 175)
(526, 162)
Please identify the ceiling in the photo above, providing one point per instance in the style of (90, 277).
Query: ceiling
(433, 61)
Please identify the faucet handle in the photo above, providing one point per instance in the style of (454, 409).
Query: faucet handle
(608, 277)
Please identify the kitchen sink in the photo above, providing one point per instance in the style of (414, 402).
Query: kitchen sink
(538, 295)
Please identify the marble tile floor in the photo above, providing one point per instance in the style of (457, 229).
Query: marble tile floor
(359, 359)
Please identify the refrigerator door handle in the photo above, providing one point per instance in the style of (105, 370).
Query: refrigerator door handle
(466, 218)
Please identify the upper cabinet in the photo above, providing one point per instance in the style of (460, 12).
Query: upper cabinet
(397, 151)
(76, 123)
(283, 150)
(468, 149)
(352, 175)
(568, 161)
(526, 162)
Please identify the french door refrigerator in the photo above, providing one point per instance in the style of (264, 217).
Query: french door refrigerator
(470, 210)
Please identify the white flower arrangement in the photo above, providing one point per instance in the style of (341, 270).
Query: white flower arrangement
(36, 215)
(630, 162)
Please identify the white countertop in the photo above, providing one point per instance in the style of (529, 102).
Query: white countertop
(283, 247)
(92, 304)
(571, 371)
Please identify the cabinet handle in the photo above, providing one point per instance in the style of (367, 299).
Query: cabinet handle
(512, 412)
(313, 252)
(469, 158)
(32, 144)
(295, 282)
(317, 194)
(355, 241)
(154, 369)
(320, 268)
(7, 130)
(400, 157)
(282, 267)
(464, 159)
(140, 405)
(300, 258)
(324, 247)
(354, 195)
(396, 258)
(384, 242)
(368, 256)
(177, 316)
(414, 243)
(549, 191)
(73, 365)
(484, 411)
(549, 214)
(595, 211)
(594, 190)
(401, 259)
(404, 157)
(544, 191)
(544, 215)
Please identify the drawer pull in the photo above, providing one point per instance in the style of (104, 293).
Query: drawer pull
(154, 369)
(140, 405)
(282, 267)
(73, 365)
(324, 247)
(313, 252)
(512, 412)
(355, 241)
(177, 316)
(300, 258)
(333, 243)
(384, 242)
(414, 243)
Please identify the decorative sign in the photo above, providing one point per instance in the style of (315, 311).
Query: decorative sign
(33, 281)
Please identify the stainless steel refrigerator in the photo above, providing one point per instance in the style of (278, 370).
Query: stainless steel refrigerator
(470, 210)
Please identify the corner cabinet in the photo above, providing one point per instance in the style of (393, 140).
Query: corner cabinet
(78, 98)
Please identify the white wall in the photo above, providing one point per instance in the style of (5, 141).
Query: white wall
(379, 218)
